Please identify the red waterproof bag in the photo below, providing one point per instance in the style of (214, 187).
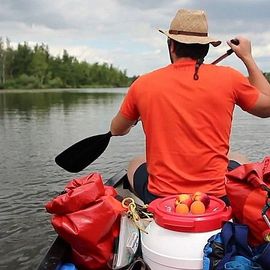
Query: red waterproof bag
(248, 189)
(87, 217)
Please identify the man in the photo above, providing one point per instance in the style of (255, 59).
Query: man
(186, 110)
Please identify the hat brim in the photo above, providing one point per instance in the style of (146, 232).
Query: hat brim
(188, 39)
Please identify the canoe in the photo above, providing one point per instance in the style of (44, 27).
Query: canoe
(59, 251)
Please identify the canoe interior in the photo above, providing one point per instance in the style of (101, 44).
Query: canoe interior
(60, 250)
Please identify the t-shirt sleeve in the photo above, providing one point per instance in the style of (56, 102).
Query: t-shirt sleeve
(129, 106)
(246, 95)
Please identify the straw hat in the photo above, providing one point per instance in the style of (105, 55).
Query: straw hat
(190, 26)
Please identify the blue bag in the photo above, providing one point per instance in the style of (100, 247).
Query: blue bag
(229, 249)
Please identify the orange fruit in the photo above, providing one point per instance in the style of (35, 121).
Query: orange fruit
(181, 208)
(197, 208)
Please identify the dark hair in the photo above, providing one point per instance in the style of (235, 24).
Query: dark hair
(195, 51)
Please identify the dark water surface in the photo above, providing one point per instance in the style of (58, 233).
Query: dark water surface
(36, 125)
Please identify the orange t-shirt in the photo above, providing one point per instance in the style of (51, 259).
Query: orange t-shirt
(187, 124)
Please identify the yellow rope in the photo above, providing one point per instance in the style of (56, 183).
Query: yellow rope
(132, 212)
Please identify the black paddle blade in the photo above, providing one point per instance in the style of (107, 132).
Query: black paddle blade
(83, 153)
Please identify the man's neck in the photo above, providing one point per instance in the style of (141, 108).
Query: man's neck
(182, 59)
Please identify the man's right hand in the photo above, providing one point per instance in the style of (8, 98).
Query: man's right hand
(243, 49)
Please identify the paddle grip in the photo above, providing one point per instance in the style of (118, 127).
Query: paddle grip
(235, 42)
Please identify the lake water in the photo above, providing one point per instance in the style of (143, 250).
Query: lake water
(37, 125)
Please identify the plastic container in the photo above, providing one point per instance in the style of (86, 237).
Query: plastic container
(175, 241)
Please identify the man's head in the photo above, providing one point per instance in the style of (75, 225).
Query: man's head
(190, 27)
(194, 51)
(188, 37)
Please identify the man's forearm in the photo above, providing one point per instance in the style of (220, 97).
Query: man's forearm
(116, 130)
(120, 125)
(256, 77)
(244, 52)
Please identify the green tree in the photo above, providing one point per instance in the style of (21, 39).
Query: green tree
(26, 67)
(2, 62)
(9, 56)
(6, 56)
(39, 64)
(22, 60)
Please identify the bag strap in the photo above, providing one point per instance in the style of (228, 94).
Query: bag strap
(241, 240)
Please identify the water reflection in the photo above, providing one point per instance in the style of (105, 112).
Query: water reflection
(32, 101)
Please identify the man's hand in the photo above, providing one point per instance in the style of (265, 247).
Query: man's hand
(243, 49)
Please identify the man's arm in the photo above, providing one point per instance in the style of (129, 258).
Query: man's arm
(121, 125)
(256, 77)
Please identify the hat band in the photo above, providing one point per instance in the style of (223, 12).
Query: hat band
(186, 33)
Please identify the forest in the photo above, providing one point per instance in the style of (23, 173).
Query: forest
(34, 68)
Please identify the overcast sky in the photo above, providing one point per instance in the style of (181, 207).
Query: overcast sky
(125, 32)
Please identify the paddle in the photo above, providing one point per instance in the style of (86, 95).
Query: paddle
(229, 52)
(81, 154)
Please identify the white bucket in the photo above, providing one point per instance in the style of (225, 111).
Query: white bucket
(164, 249)
(175, 241)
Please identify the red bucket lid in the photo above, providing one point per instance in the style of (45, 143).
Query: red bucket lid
(165, 216)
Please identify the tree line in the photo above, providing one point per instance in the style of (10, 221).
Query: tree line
(34, 68)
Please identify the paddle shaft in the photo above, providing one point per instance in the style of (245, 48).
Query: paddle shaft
(229, 52)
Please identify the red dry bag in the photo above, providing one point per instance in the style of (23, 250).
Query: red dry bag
(248, 188)
(87, 217)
